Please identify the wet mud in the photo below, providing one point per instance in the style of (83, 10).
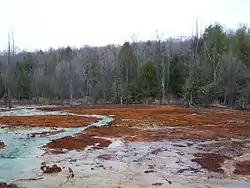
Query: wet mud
(50, 169)
(242, 168)
(150, 146)
(157, 123)
(211, 161)
(77, 142)
(24, 144)
(137, 164)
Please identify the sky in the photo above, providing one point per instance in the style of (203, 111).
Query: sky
(41, 24)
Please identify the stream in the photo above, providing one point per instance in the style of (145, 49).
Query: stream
(21, 155)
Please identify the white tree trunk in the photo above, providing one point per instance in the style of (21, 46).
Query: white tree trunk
(71, 91)
(121, 100)
(163, 82)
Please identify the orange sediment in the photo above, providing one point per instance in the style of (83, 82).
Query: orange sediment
(78, 142)
(151, 123)
(47, 121)
(142, 123)
(211, 161)
(156, 123)
(148, 123)
(141, 115)
(242, 168)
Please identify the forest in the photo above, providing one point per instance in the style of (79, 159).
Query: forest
(206, 68)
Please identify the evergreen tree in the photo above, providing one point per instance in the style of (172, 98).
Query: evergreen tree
(148, 83)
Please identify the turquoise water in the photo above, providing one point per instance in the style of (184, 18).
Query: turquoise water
(22, 154)
(227, 183)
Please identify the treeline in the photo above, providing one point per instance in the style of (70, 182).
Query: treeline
(203, 69)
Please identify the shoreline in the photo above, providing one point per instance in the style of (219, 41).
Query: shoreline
(149, 146)
(137, 164)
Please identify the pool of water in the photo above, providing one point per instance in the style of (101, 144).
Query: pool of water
(22, 154)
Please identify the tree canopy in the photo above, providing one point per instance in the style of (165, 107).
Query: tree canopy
(202, 69)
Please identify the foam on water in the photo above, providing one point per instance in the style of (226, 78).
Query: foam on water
(22, 154)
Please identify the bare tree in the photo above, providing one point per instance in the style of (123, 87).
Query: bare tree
(8, 72)
(135, 47)
(161, 58)
(78, 76)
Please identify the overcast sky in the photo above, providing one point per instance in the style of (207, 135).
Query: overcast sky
(40, 24)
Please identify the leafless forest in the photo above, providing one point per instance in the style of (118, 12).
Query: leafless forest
(208, 67)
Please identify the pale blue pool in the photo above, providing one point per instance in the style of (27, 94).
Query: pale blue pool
(20, 154)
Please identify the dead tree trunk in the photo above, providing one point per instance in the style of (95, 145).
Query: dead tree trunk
(70, 84)
(163, 80)
(161, 59)
(9, 68)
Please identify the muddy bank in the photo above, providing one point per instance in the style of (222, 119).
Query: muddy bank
(215, 128)
(47, 121)
(211, 161)
(135, 164)
(242, 168)
(44, 133)
(169, 115)
(24, 144)
(147, 146)
(197, 133)
(140, 123)
(78, 142)
(201, 133)
(93, 136)
(140, 115)
(228, 157)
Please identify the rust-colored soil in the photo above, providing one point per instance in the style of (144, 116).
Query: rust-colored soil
(211, 161)
(242, 168)
(185, 123)
(142, 123)
(47, 121)
(156, 123)
(78, 142)
(201, 132)
(146, 123)
(141, 115)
